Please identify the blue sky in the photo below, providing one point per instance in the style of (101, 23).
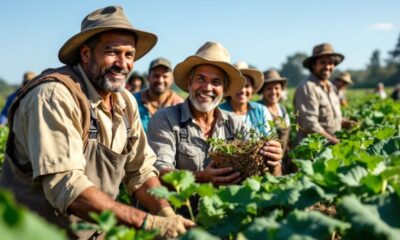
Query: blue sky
(260, 32)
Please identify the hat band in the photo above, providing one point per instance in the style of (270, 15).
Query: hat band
(118, 23)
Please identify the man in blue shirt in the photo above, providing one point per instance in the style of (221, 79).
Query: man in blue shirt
(159, 93)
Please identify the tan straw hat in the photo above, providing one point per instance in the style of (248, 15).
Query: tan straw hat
(212, 53)
(324, 49)
(273, 76)
(256, 75)
(345, 77)
(101, 20)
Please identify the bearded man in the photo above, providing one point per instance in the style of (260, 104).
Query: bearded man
(315, 101)
(179, 134)
(75, 134)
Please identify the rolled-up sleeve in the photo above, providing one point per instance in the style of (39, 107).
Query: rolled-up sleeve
(47, 129)
(61, 189)
(307, 107)
(162, 139)
(140, 167)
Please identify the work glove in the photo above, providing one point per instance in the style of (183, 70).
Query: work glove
(166, 212)
(168, 226)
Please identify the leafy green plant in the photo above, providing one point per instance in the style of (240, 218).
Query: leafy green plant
(106, 223)
(184, 186)
(3, 139)
(18, 223)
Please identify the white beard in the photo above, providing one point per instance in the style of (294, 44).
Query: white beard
(204, 107)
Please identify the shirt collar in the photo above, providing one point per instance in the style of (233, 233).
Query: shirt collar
(314, 79)
(94, 97)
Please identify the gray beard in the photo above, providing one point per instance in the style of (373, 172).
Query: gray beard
(204, 107)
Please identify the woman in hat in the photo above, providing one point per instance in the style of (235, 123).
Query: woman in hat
(254, 114)
(271, 93)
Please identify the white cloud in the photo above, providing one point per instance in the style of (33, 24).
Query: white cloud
(382, 26)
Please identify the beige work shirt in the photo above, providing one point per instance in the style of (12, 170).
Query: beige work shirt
(318, 109)
(48, 135)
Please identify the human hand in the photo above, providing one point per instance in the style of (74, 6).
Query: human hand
(168, 226)
(272, 151)
(348, 124)
(218, 176)
(166, 212)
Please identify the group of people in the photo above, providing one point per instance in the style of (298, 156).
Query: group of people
(76, 133)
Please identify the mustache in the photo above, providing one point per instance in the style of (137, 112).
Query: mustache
(117, 69)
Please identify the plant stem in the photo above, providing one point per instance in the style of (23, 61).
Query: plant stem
(187, 203)
(384, 185)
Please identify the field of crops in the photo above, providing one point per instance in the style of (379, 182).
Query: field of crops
(347, 191)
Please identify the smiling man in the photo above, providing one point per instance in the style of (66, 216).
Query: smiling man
(75, 134)
(159, 93)
(179, 134)
(315, 100)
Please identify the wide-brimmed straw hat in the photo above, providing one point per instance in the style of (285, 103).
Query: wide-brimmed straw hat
(256, 75)
(272, 75)
(324, 49)
(101, 20)
(212, 53)
(345, 77)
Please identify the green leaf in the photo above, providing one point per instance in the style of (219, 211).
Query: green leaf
(180, 180)
(366, 220)
(373, 183)
(385, 133)
(198, 234)
(385, 147)
(351, 176)
(205, 190)
(160, 192)
(252, 184)
(261, 228)
(305, 166)
(18, 223)
(309, 225)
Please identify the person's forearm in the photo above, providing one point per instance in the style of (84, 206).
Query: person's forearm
(276, 171)
(331, 138)
(150, 202)
(93, 199)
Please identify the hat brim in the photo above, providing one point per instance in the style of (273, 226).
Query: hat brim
(182, 71)
(345, 80)
(283, 81)
(69, 52)
(307, 61)
(257, 77)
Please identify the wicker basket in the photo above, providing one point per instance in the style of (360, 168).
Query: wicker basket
(246, 160)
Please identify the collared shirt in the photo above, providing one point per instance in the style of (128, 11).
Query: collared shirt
(256, 116)
(318, 107)
(144, 105)
(178, 141)
(48, 134)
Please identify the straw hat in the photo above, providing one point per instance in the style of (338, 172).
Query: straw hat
(273, 76)
(324, 49)
(212, 53)
(101, 20)
(345, 77)
(256, 75)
